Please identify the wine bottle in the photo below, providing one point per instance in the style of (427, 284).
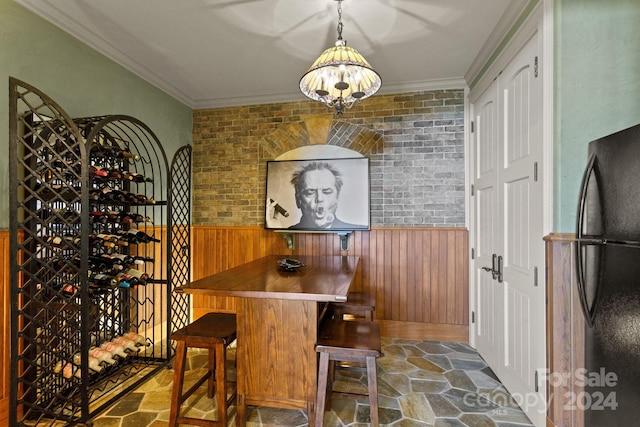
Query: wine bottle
(97, 172)
(140, 275)
(102, 280)
(99, 241)
(114, 348)
(144, 259)
(68, 290)
(124, 260)
(124, 217)
(57, 169)
(102, 355)
(115, 174)
(135, 177)
(137, 339)
(66, 264)
(64, 242)
(99, 264)
(101, 217)
(135, 236)
(113, 238)
(113, 151)
(129, 217)
(119, 196)
(127, 281)
(101, 194)
(127, 344)
(56, 241)
(71, 370)
(144, 200)
(67, 215)
(138, 199)
(94, 364)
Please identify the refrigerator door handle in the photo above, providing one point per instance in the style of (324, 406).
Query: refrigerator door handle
(582, 290)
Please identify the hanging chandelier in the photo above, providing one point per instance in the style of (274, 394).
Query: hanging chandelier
(340, 76)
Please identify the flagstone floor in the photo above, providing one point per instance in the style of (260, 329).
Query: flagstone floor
(420, 383)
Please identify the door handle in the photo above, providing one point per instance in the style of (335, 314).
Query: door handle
(494, 273)
(496, 268)
(492, 269)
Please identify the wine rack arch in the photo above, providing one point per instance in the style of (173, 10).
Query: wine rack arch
(91, 241)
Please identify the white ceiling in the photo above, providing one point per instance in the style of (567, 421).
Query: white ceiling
(216, 53)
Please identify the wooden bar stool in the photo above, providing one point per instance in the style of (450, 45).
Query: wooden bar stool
(358, 304)
(341, 340)
(213, 331)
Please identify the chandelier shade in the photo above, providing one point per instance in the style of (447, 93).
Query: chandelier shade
(340, 76)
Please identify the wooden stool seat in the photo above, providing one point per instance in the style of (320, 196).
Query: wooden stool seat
(341, 340)
(213, 331)
(358, 304)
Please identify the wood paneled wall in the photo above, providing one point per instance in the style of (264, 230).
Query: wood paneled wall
(5, 329)
(417, 274)
(565, 331)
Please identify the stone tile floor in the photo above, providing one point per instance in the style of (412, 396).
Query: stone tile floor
(420, 383)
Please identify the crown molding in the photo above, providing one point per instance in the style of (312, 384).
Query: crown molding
(386, 89)
(85, 34)
(497, 37)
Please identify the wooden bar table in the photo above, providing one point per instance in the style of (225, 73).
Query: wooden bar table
(277, 326)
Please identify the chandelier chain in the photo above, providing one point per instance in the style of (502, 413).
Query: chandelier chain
(339, 20)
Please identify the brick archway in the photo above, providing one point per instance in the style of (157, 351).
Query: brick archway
(314, 130)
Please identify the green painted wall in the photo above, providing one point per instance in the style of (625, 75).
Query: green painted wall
(597, 92)
(82, 81)
(597, 81)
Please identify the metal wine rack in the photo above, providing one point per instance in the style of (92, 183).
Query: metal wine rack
(180, 214)
(60, 201)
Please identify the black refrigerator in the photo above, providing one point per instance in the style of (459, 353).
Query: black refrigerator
(608, 277)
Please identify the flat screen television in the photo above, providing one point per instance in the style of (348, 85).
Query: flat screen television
(320, 195)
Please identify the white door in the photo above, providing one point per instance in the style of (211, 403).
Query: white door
(510, 328)
(488, 297)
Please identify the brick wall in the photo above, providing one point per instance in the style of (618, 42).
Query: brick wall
(415, 143)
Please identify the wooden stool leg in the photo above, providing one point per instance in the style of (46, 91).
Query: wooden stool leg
(323, 374)
(241, 411)
(332, 378)
(212, 367)
(373, 390)
(178, 376)
(221, 383)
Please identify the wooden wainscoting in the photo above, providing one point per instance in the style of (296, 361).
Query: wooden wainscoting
(419, 275)
(5, 329)
(215, 249)
(565, 331)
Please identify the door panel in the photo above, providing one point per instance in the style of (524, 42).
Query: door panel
(518, 240)
(487, 339)
(516, 109)
(508, 222)
(517, 358)
(523, 246)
